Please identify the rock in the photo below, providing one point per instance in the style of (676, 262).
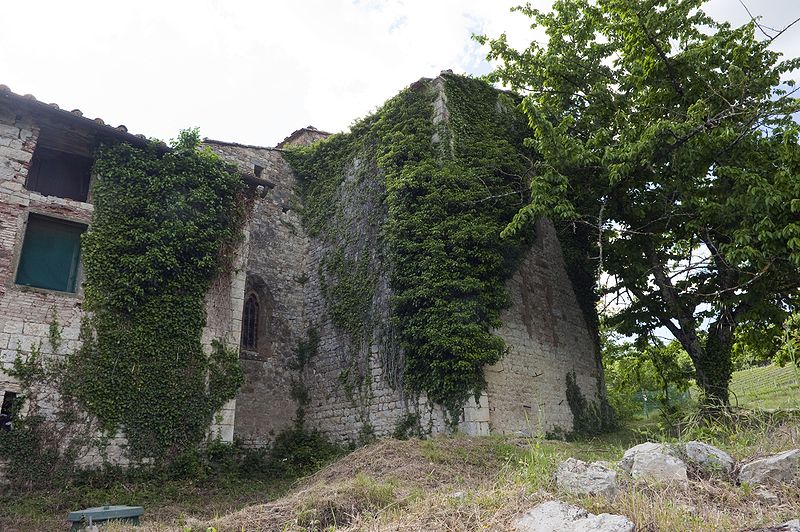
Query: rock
(654, 461)
(782, 467)
(708, 457)
(789, 526)
(766, 497)
(556, 516)
(578, 477)
(627, 459)
(792, 526)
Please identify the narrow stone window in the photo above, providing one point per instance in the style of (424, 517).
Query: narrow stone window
(258, 170)
(50, 255)
(7, 410)
(250, 323)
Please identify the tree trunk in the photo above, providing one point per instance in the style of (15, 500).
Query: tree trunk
(713, 367)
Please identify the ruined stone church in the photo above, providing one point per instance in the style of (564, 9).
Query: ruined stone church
(272, 297)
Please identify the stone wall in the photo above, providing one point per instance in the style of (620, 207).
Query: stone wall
(27, 312)
(354, 381)
(275, 272)
(548, 337)
(358, 389)
(356, 386)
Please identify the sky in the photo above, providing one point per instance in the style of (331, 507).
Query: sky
(254, 71)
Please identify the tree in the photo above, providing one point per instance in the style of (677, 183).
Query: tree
(646, 365)
(667, 139)
(789, 350)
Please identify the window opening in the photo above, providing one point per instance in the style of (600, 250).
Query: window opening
(58, 173)
(50, 255)
(250, 323)
(7, 410)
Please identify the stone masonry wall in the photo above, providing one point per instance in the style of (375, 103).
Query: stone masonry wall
(26, 312)
(355, 384)
(356, 390)
(548, 337)
(275, 271)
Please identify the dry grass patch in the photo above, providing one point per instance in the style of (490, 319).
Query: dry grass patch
(466, 484)
(383, 482)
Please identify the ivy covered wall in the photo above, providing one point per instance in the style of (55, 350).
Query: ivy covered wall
(408, 275)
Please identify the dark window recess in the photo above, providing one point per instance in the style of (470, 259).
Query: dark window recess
(7, 410)
(250, 323)
(50, 254)
(258, 170)
(57, 173)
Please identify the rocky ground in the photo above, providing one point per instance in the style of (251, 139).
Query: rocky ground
(740, 475)
(745, 478)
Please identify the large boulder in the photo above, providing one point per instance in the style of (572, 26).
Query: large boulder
(789, 526)
(556, 516)
(775, 469)
(708, 458)
(655, 461)
(578, 477)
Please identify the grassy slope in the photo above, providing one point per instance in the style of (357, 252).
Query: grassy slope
(164, 501)
(767, 387)
(412, 485)
(462, 483)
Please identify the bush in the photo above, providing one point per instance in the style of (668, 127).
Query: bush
(297, 453)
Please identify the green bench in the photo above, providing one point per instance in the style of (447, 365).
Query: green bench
(102, 514)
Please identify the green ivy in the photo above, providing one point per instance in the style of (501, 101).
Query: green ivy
(447, 201)
(348, 286)
(589, 418)
(164, 225)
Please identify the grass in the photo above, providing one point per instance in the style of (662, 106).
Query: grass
(166, 502)
(449, 483)
(463, 483)
(767, 387)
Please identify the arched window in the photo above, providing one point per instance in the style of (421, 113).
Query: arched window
(250, 323)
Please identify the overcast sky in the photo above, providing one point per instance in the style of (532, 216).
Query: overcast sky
(252, 72)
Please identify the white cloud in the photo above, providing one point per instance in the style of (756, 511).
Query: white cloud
(251, 71)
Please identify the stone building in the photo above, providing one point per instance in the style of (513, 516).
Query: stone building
(271, 299)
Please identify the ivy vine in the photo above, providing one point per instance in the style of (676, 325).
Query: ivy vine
(163, 227)
(449, 189)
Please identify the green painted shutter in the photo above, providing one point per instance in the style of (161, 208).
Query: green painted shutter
(50, 254)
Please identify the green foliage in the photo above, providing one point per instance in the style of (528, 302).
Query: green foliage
(447, 201)
(297, 452)
(636, 371)
(32, 459)
(163, 227)
(789, 351)
(348, 286)
(589, 418)
(41, 449)
(407, 427)
(669, 138)
(306, 349)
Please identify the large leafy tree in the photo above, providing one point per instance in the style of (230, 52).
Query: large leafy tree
(667, 138)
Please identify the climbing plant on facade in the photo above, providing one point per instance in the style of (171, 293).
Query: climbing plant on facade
(448, 188)
(164, 225)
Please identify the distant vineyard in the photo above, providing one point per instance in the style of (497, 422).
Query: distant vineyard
(766, 387)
